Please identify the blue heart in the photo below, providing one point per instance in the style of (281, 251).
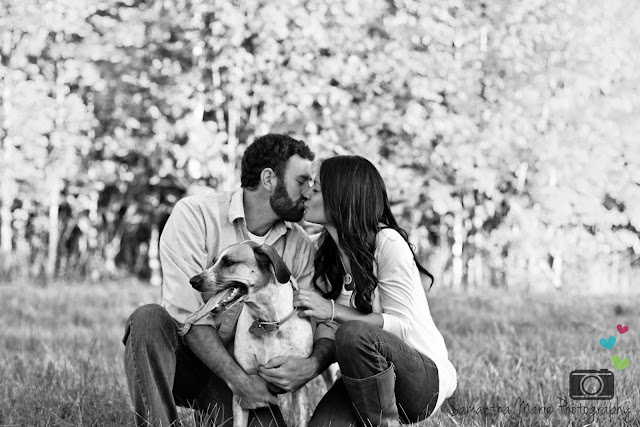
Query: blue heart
(608, 344)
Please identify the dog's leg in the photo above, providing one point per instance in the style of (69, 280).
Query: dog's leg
(240, 416)
(300, 407)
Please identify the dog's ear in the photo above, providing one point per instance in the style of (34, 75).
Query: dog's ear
(282, 271)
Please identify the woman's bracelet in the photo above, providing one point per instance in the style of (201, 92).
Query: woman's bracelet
(333, 311)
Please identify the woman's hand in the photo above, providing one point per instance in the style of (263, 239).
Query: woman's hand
(312, 304)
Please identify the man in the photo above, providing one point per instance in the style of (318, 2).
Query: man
(198, 370)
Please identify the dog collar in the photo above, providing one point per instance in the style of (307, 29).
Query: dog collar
(260, 327)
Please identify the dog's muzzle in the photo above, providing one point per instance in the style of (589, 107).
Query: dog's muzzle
(228, 297)
(220, 302)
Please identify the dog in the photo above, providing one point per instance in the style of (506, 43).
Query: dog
(268, 325)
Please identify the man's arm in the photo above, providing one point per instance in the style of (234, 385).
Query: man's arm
(252, 390)
(183, 254)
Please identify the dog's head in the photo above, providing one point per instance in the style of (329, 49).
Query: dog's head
(239, 270)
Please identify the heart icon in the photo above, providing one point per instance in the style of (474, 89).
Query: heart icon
(608, 344)
(622, 329)
(619, 364)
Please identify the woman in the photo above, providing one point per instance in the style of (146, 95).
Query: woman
(392, 358)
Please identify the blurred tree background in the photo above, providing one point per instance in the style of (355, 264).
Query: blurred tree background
(507, 131)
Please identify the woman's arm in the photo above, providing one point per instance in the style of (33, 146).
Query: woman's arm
(399, 285)
(314, 305)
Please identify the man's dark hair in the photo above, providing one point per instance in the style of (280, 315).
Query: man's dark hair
(270, 151)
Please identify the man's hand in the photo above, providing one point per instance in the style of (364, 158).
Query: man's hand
(288, 372)
(253, 393)
(205, 343)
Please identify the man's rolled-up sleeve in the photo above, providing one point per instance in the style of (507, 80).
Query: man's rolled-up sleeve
(183, 255)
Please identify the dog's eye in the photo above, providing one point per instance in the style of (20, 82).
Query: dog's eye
(227, 262)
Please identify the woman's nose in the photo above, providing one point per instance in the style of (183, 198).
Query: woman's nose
(306, 193)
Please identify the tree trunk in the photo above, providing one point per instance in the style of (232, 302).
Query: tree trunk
(478, 272)
(111, 251)
(6, 182)
(54, 233)
(232, 143)
(471, 278)
(443, 255)
(6, 231)
(557, 271)
(55, 143)
(154, 259)
(614, 283)
(458, 238)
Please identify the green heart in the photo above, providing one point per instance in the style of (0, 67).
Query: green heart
(619, 364)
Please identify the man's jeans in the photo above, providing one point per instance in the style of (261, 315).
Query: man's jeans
(364, 351)
(162, 372)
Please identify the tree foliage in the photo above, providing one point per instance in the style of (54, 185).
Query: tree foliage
(506, 131)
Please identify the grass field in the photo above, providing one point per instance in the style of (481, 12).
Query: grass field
(61, 356)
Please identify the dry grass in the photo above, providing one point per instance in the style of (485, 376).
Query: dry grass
(523, 347)
(61, 355)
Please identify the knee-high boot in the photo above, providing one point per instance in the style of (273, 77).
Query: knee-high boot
(374, 398)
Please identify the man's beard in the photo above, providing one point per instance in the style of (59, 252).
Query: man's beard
(283, 206)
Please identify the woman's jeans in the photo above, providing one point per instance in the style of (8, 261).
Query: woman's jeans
(378, 370)
(162, 372)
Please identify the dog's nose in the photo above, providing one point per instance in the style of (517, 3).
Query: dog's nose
(195, 280)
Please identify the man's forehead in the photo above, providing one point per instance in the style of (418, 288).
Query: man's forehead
(299, 166)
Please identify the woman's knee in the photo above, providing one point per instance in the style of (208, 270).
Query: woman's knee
(353, 336)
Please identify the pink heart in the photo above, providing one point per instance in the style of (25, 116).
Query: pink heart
(622, 329)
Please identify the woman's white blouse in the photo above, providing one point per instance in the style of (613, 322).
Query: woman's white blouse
(401, 300)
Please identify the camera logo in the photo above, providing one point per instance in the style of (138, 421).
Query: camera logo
(591, 384)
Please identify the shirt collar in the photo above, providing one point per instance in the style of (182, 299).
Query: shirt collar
(236, 207)
(236, 211)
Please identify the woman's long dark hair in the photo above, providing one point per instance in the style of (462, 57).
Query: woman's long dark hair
(355, 203)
